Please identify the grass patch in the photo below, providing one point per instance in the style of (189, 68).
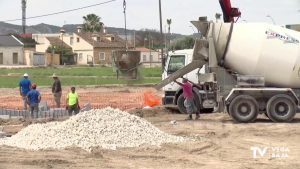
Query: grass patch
(75, 76)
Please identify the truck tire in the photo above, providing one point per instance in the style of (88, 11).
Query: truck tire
(180, 103)
(244, 109)
(281, 108)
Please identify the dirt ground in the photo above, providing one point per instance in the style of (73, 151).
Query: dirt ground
(219, 143)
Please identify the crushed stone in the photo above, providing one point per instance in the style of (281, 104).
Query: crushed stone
(98, 128)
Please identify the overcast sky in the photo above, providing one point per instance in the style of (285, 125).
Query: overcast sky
(144, 13)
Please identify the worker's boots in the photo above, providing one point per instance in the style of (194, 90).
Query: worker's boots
(189, 117)
(197, 116)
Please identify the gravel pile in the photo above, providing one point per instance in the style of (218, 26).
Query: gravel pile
(106, 128)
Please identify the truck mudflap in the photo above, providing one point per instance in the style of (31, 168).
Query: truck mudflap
(261, 91)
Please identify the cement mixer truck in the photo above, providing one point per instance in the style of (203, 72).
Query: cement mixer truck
(251, 68)
(172, 91)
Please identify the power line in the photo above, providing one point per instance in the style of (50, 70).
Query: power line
(66, 11)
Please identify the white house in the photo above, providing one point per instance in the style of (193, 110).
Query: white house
(43, 41)
(149, 58)
(95, 48)
(11, 50)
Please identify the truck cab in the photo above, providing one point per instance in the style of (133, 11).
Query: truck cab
(172, 91)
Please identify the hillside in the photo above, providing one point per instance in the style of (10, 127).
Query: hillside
(143, 37)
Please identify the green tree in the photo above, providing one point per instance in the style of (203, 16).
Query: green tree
(66, 54)
(59, 49)
(92, 23)
(185, 43)
(169, 22)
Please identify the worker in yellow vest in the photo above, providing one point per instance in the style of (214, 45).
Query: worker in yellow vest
(72, 102)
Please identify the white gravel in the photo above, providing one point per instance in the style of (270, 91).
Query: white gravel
(106, 128)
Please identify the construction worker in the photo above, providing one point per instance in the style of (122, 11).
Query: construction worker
(33, 100)
(24, 87)
(56, 90)
(189, 98)
(72, 102)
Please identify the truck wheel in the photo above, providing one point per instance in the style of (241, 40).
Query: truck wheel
(243, 108)
(281, 108)
(180, 103)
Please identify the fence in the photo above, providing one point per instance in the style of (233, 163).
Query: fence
(52, 113)
(11, 106)
(44, 112)
(97, 100)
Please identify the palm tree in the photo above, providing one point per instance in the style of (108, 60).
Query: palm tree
(169, 22)
(92, 23)
(218, 17)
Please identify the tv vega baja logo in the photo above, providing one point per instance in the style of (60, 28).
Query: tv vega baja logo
(273, 152)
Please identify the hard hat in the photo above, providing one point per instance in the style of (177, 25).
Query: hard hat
(25, 75)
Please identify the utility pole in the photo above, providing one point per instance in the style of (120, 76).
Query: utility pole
(166, 39)
(169, 22)
(145, 39)
(124, 7)
(24, 16)
(162, 38)
(134, 39)
(150, 57)
(62, 31)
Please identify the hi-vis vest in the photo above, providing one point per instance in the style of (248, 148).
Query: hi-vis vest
(72, 98)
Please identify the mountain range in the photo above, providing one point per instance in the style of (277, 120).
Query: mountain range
(7, 28)
(144, 37)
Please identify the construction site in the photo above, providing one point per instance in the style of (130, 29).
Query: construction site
(233, 101)
(145, 138)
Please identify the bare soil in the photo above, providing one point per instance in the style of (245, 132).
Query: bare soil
(219, 143)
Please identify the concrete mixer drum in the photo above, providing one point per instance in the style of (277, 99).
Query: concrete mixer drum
(126, 63)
